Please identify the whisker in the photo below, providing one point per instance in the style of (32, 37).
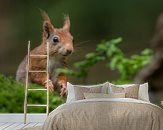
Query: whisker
(79, 46)
(81, 43)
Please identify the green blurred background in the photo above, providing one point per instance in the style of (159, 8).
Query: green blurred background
(91, 22)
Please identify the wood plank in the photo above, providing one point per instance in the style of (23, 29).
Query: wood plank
(2, 123)
(17, 117)
(5, 126)
(17, 126)
(32, 124)
(39, 124)
(22, 125)
(12, 127)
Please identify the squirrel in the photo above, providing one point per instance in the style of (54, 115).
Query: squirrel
(60, 47)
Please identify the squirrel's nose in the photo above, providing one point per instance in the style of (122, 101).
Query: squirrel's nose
(68, 52)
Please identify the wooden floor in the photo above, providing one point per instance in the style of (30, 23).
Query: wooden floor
(15, 121)
(17, 126)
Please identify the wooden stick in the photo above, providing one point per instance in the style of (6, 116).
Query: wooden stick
(47, 108)
(26, 86)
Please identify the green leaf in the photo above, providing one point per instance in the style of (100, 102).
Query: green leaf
(146, 52)
(116, 41)
(90, 55)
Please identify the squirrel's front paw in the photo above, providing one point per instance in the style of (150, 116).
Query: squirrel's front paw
(63, 91)
(50, 85)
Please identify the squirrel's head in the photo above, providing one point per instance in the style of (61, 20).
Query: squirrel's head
(60, 39)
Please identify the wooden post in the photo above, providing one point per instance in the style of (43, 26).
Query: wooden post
(47, 107)
(26, 86)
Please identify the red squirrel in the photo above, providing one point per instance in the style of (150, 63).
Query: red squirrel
(60, 47)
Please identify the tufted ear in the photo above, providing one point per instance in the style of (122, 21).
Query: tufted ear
(44, 15)
(66, 25)
(47, 26)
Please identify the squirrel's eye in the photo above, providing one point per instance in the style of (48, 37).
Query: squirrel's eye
(55, 39)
